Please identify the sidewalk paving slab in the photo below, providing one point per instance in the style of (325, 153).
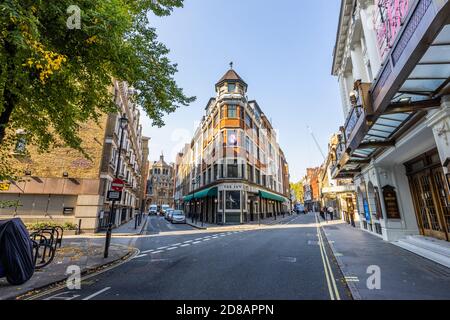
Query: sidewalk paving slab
(85, 253)
(404, 275)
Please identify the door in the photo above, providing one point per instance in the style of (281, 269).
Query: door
(428, 203)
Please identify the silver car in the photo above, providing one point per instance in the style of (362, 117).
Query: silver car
(177, 216)
(167, 213)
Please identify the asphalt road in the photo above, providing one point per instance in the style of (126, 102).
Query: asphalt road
(177, 262)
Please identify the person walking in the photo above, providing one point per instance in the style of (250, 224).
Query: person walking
(331, 212)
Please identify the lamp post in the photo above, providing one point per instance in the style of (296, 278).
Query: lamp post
(123, 122)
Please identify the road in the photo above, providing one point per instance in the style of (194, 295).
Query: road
(287, 261)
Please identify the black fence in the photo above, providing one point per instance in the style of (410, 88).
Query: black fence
(45, 242)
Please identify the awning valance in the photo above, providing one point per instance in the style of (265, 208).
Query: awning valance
(271, 196)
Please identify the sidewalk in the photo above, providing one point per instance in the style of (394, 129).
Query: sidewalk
(404, 275)
(85, 253)
(125, 230)
(251, 225)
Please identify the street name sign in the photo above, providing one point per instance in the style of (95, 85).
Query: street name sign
(114, 195)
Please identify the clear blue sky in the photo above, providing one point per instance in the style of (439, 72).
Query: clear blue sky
(282, 49)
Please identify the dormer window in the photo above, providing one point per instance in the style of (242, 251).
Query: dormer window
(231, 87)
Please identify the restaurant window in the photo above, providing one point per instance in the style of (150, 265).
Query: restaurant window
(233, 170)
(220, 200)
(232, 111)
(232, 200)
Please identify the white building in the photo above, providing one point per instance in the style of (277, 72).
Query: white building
(396, 138)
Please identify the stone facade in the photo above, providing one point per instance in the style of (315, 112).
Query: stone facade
(160, 185)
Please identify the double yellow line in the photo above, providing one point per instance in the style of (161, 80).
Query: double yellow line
(331, 282)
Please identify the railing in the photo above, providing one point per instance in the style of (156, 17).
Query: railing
(352, 120)
(45, 242)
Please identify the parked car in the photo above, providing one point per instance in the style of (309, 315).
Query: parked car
(300, 208)
(153, 210)
(167, 214)
(164, 208)
(177, 216)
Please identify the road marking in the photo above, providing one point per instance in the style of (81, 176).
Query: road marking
(214, 237)
(140, 256)
(148, 251)
(189, 241)
(97, 293)
(58, 296)
(206, 239)
(159, 251)
(185, 245)
(198, 239)
(173, 248)
(351, 279)
(331, 282)
(197, 242)
(176, 244)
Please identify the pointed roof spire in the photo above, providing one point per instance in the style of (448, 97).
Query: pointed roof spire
(231, 75)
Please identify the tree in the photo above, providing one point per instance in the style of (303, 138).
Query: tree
(298, 190)
(57, 62)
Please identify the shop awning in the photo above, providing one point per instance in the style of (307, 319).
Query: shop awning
(271, 196)
(210, 192)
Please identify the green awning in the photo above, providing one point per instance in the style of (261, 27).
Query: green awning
(210, 192)
(271, 196)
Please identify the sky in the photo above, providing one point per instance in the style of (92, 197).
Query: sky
(282, 49)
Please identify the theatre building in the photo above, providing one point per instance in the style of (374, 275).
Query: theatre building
(392, 60)
(233, 171)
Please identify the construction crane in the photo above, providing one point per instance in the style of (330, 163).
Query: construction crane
(317, 143)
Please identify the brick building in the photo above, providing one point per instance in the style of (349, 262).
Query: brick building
(63, 185)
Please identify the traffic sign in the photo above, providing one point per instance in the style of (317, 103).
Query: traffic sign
(114, 195)
(117, 185)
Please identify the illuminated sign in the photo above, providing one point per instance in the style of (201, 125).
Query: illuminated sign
(388, 21)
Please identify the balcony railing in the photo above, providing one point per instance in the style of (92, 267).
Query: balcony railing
(352, 120)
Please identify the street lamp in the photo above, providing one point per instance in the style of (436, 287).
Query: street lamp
(123, 123)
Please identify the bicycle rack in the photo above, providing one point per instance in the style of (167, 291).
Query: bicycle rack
(45, 242)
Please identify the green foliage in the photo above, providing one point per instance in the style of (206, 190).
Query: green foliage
(41, 225)
(52, 78)
(9, 204)
(298, 190)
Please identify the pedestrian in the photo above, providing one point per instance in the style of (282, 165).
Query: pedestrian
(331, 212)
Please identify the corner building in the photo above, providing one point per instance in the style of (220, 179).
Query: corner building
(233, 171)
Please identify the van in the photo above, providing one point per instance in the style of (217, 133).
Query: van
(153, 210)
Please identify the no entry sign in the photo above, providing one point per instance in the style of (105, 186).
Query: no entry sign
(117, 185)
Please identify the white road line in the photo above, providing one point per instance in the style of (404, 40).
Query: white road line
(214, 237)
(185, 245)
(198, 239)
(140, 256)
(159, 251)
(197, 242)
(148, 251)
(176, 244)
(206, 239)
(97, 293)
(173, 248)
(189, 241)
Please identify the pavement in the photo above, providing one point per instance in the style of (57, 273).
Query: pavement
(403, 274)
(87, 254)
(127, 229)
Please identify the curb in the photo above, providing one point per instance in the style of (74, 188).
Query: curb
(240, 226)
(351, 286)
(88, 272)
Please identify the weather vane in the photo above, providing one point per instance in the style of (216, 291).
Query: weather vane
(231, 65)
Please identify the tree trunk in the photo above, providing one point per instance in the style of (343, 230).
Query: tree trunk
(6, 114)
